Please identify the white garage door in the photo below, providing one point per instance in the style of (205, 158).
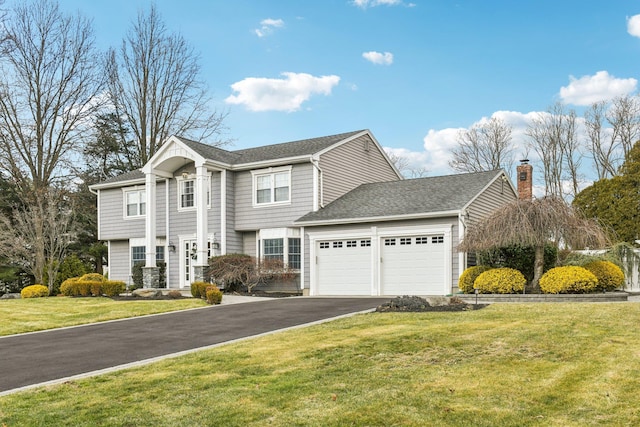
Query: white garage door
(344, 267)
(412, 265)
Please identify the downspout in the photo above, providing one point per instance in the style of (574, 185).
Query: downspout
(316, 163)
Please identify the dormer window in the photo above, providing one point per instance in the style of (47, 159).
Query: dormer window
(272, 186)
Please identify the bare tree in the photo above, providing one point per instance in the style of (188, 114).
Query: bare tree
(624, 118)
(603, 147)
(535, 223)
(48, 91)
(553, 137)
(403, 164)
(37, 236)
(485, 146)
(49, 84)
(156, 91)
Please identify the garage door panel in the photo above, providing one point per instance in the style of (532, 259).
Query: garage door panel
(344, 267)
(413, 265)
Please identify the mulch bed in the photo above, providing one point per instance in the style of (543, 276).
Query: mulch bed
(414, 304)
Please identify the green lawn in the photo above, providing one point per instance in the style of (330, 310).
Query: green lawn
(550, 364)
(35, 314)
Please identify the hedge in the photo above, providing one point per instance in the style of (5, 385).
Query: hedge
(34, 291)
(500, 281)
(569, 279)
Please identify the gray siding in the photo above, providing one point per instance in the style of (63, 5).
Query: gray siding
(496, 195)
(351, 164)
(234, 239)
(119, 261)
(248, 217)
(249, 243)
(114, 226)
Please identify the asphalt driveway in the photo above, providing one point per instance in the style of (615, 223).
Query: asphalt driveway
(36, 358)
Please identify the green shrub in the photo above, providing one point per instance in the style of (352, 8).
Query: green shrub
(465, 282)
(214, 295)
(136, 276)
(112, 288)
(71, 266)
(568, 279)
(500, 281)
(518, 257)
(610, 276)
(34, 291)
(199, 289)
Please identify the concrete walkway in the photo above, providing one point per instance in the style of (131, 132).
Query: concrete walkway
(58, 355)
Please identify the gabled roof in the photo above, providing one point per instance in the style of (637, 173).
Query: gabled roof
(247, 156)
(404, 198)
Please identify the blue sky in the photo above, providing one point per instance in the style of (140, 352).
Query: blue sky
(413, 72)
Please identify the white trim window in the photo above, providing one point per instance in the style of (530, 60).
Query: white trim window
(281, 244)
(134, 203)
(187, 193)
(272, 186)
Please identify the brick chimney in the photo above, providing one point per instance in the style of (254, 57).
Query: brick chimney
(525, 180)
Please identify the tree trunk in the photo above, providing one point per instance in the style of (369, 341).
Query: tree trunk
(538, 268)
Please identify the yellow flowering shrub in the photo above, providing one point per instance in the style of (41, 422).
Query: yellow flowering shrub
(500, 281)
(610, 276)
(91, 284)
(213, 294)
(68, 287)
(34, 291)
(569, 279)
(466, 279)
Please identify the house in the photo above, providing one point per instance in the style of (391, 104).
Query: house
(334, 208)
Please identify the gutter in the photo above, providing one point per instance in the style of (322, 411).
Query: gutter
(339, 221)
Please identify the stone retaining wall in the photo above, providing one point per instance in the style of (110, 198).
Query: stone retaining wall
(490, 298)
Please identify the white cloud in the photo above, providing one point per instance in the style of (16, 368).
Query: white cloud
(286, 94)
(267, 26)
(385, 58)
(600, 87)
(633, 25)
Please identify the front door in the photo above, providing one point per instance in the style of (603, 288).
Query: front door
(188, 258)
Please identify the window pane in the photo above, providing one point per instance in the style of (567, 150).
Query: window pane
(159, 253)
(274, 249)
(282, 179)
(263, 182)
(138, 255)
(187, 198)
(294, 253)
(143, 208)
(282, 194)
(132, 210)
(263, 196)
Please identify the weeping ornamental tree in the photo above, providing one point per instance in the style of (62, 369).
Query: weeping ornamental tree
(535, 223)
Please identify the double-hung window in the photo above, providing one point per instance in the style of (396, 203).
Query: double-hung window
(135, 203)
(187, 193)
(272, 186)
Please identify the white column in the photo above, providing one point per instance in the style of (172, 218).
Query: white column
(223, 212)
(150, 219)
(202, 229)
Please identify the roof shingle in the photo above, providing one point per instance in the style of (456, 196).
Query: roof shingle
(404, 197)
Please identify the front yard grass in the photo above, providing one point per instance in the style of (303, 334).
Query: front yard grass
(36, 314)
(547, 364)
